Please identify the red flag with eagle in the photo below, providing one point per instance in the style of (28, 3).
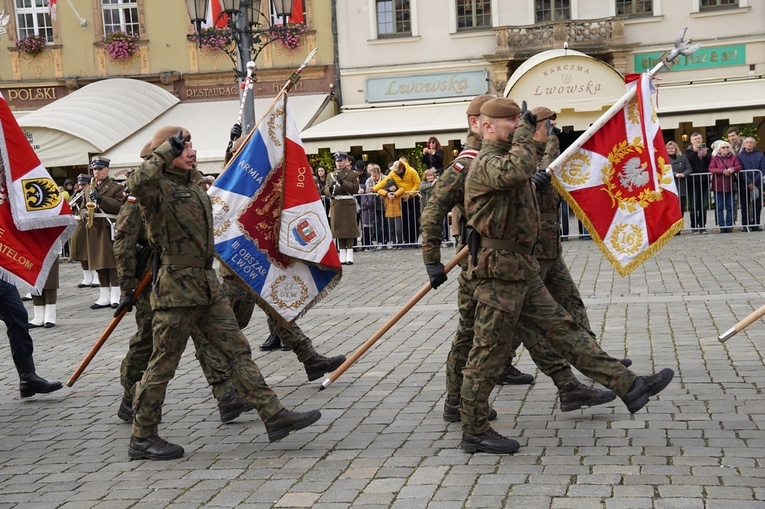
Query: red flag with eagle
(35, 220)
(620, 184)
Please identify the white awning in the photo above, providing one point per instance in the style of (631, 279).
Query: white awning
(93, 119)
(738, 101)
(374, 127)
(209, 124)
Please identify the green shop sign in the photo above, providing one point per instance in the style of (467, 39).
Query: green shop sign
(704, 58)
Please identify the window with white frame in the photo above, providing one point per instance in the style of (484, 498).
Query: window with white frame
(120, 16)
(33, 18)
(473, 14)
(394, 17)
(634, 7)
(552, 10)
(714, 4)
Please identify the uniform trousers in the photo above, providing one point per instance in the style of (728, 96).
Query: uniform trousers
(141, 344)
(16, 318)
(501, 305)
(171, 328)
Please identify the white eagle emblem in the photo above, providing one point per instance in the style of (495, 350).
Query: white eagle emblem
(634, 174)
(4, 20)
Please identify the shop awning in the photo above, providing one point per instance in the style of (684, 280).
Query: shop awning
(93, 119)
(374, 127)
(209, 124)
(739, 101)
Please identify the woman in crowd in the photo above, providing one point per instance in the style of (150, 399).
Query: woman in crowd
(724, 166)
(321, 181)
(433, 155)
(681, 168)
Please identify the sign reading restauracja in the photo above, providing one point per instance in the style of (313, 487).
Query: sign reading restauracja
(427, 86)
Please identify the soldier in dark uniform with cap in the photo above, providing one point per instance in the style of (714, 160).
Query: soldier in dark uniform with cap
(342, 184)
(103, 199)
(503, 215)
(187, 294)
(78, 244)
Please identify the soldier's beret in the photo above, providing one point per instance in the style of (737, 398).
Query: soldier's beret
(500, 107)
(543, 113)
(99, 162)
(161, 136)
(474, 108)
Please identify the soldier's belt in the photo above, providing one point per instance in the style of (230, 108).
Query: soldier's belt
(341, 197)
(506, 245)
(189, 261)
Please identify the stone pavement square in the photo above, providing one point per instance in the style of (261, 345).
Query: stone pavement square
(382, 441)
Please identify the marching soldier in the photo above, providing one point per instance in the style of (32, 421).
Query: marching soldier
(103, 199)
(78, 244)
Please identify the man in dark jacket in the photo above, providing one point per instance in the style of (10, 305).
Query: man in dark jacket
(750, 184)
(698, 183)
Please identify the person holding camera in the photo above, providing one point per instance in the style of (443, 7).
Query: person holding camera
(698, 184)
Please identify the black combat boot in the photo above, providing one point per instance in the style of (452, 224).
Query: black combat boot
(626, 362)
(153, 448)
(511, 376)
(646, 386)
(452, 410)
(273, 342)
(29, 382)
(280, 425)
(488, 441)
(574, 395)
(125, 411)
(318, 365)
(232, 405)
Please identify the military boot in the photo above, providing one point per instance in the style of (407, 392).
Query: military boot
(125, 411)
(232, 405)
(452, 410)
(574, 395)
(511, 376)
(29, 382)
(273, 342)
(646, 386)
(281, 424)
(489, 441)
(153, 448)
(318, 365)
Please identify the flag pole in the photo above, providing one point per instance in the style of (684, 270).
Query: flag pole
(668, 59)
(390, 323)
(743, 324)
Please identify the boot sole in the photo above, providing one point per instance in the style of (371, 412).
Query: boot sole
(315, 375)
(519, 381)
(140, 455)
(576, 405)
(638, 404)
(468, 447)
(29, 393)
(278, 435)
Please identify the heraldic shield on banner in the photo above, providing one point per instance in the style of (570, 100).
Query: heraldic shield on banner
(269, 223)
(620, 184)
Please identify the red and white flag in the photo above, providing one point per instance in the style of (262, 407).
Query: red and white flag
(52, 9)
(620, 184)
(297, 12)
(213, 16)
(35, 220)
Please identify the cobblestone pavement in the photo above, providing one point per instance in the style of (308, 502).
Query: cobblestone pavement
(382, 442)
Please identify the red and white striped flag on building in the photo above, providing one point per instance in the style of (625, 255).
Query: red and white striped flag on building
(213, 16)
(35, 220)
(620, 185)
(52, 9)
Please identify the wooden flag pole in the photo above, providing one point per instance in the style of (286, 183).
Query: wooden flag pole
(743, 324)
(390, 323)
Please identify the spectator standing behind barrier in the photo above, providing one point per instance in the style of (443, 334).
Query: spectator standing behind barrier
(698, 184)
(433, 155)
(751, 182)
(372, 205)
(723, 166)
(321, 183)
(429, 180)
(341, 186)
(392, 200)
(681, 168)
(407, 182)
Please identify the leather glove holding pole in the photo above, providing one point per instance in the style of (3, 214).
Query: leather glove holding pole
(126, 303)
(436, 273)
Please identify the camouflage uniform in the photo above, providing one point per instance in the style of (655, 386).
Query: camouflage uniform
(130, 235)
(500, 205)
(187, 292)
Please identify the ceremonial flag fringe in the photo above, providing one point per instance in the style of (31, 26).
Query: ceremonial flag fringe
(620, 184)
(35, 220)
(271, 228)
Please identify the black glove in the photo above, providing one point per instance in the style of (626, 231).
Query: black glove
(126, 302)
(236, 132)
(177, 143)
(551, 129)
(436, 274)
(96, 197)
(541, 179)
(528, 116)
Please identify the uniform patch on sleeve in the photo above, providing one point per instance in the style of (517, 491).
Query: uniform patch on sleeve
(458, 166)
(131, 198)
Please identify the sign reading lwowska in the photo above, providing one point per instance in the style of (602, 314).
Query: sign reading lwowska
(427, 86)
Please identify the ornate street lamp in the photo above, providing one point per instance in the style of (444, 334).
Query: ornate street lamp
(197, 12)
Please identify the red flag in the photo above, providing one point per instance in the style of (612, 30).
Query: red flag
(297, 12)
(620, 184)
(35, 220)
(213, 16)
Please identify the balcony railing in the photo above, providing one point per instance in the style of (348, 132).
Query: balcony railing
(591, 35)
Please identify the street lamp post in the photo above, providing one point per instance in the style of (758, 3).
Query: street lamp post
(249, 35)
